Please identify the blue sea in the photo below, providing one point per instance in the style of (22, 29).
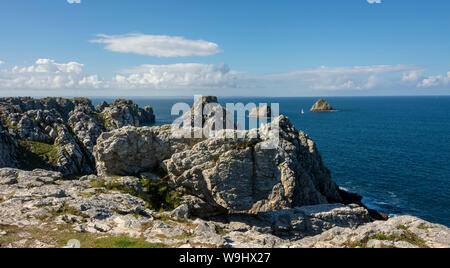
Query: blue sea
(394, 151)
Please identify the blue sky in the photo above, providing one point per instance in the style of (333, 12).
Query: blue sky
(233, 47)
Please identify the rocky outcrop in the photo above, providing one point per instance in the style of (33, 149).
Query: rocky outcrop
(151, 182)
(122, 113)
(240, 175)
(222, 174)
(8, 149)
(132, 150)
(322, 106)
(59, 134)
(261, 112)
(40, 209)
(208, 114)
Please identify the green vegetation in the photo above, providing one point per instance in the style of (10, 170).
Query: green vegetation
(129, 103)
(47, 152)
(62, 234)
(425, 227)
(356, 244)
(37, 154)
(85, 101)
(161, 197)
(124, 242)
(407, 236)
(64, 210)
(7, 123)
(158, 195)
(106, 122)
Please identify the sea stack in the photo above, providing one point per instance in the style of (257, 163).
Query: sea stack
(322, 106)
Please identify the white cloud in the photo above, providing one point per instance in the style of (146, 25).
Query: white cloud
(183, 75)
(157, 45)
(47, 74)
(2, 62)
(374, 1)
(342, 78)
(412, 76)
(74, 1)
(435, 81)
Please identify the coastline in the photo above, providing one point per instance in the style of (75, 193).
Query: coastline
(77, 203)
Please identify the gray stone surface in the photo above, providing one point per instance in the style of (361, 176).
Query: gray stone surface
(65, 129)
(41, 200)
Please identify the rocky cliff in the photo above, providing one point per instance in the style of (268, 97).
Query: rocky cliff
(59, 134)
(151, 184)
(223, 174)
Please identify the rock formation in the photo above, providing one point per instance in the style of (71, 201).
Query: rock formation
(222, 174)
(150, 183)
(8, 149)
(39, 209)
(322, 106)
(208, 114)
(261, 112)
(59, 134)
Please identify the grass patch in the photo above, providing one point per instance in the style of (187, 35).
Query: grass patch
(161, 196)
(46, 152)
(425, 227)
(356, 244)
(7, 123)
(60, 236)
(402, 227)
(106, 121)
(407, 236)
(68, 210)
(158, 195)
(124, 242)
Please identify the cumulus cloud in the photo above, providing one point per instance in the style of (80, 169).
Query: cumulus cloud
(374, 1)
(435, 81)
(74, 1)
(412, 76)
(157, 45)
(183, 75)
(2, 62)
(47, 74)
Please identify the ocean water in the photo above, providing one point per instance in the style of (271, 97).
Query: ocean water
(394, 151)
